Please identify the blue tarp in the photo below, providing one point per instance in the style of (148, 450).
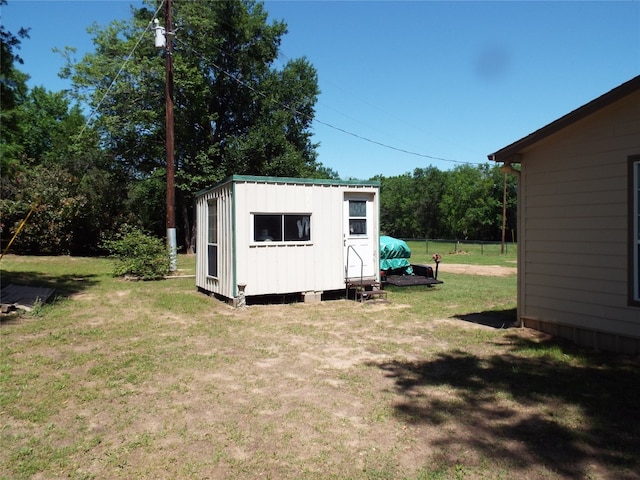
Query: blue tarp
(394, 254)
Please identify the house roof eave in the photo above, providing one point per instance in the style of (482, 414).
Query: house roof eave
(511, 153)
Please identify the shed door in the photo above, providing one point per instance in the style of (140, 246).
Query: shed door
(358, 235)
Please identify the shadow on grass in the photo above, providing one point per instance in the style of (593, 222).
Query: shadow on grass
(493, 318)
(568, 410)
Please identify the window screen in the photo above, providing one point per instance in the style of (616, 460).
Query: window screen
(281, 227)
(267, 228)
(212, 238)
(357, 217)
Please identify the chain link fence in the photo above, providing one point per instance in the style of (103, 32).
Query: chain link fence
(433, 245)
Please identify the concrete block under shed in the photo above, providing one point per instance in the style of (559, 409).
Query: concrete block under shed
(312, 297)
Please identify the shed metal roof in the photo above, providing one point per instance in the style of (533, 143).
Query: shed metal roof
(290, 180)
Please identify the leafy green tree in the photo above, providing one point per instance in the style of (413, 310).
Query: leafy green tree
(143, 198)
(49, 190)
(462, 203)
(429, 184)
(50, 127)
(77, 189)
(13, 89)
(471, 202)
(72, 213)
(398, 207)
(235, 112)
(497, 191)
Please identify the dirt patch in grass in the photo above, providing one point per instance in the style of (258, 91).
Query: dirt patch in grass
(135, 389)
(485, 270)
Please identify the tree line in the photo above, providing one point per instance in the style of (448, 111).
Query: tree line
(464, 203)
(85, 162)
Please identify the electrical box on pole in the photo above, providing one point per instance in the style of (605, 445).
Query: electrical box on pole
(160, 34)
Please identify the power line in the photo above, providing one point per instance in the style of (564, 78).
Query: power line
(256, 91)
(326, 124)
(391, 147)
(124, 64)
(375, 142)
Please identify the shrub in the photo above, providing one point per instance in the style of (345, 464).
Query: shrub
(138, 254)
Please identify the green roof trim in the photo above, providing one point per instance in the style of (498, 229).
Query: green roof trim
(290, 180)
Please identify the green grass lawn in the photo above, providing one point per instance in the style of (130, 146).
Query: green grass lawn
(117, 379)
(466, 253)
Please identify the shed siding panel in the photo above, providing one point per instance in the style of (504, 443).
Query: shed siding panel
(275, 268)
(283, 268)
(226, 273)
(223, 284)
(574, 211)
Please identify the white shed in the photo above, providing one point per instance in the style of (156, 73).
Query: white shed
(277, 236)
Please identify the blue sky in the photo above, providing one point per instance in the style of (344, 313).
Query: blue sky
(449, 81)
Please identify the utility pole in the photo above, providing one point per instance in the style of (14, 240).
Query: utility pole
(171, 165)
(504, 215)
(164, 39)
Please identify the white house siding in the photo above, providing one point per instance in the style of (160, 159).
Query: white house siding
(573, 231)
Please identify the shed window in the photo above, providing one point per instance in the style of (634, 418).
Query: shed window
(357, 217)
(635, 229)
(281, 227)
(212, 238)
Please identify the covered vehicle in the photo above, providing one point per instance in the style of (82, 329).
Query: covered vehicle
(394, 256)
(396, 269)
